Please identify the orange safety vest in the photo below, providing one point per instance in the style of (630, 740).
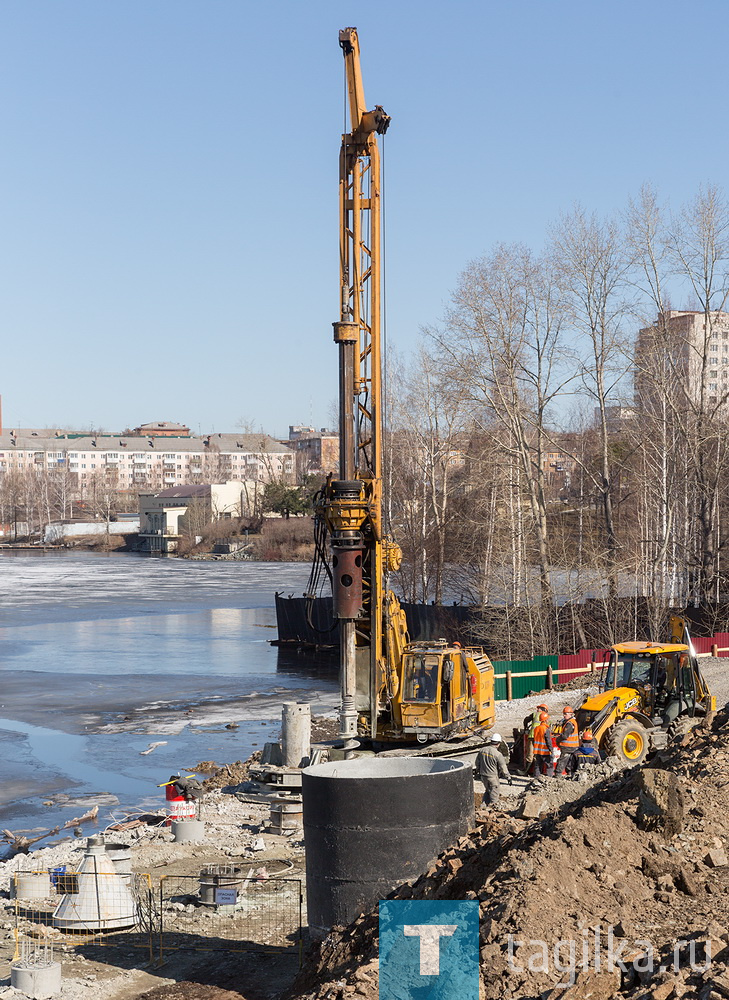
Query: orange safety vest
(572, 741)
(540, 739)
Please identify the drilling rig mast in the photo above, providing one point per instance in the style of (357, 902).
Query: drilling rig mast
(384, 691)
(357, 541)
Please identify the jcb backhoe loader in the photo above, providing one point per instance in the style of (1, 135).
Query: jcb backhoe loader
(649, 692)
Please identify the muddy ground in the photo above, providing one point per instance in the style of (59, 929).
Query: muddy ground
(644, 852)
(640, 858)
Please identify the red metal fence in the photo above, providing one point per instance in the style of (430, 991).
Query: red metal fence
(512, 674)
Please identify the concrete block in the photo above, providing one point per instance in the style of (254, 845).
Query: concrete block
(37, 981)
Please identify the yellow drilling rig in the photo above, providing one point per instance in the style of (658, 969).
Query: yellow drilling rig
(432, 695)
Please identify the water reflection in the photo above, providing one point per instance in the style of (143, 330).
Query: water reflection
(306, 663)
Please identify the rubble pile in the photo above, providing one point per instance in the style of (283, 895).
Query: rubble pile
(635, 871)
(226, 775)
(544, 795)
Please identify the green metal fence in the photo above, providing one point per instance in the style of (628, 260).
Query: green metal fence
(526, 676)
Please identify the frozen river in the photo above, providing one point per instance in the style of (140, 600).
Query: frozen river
(102, 655)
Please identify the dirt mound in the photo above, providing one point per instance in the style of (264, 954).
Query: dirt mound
(226, 775)
(635, 870)
(189, 991)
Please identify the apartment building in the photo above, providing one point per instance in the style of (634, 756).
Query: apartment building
(687, 344)
(558, 468)
(161, 428)
(316, 450)
(144, 462)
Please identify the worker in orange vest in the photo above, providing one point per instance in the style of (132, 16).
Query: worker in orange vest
(543, 745)
(530, 724)
(568, 739)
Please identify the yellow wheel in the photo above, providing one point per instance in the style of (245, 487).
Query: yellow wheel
(628, 741)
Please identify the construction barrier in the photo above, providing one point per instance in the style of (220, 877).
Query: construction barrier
(220, 909)
(60, 909)
(227, 909)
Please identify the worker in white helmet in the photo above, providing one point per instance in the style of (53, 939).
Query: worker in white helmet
(492, 767)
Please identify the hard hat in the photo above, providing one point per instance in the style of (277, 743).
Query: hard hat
(458, 645)
(587, 736)
(543, 708)
(544, 716)
(496, 738)
(568, 710)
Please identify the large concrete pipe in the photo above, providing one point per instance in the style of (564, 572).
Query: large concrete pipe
(374, 822)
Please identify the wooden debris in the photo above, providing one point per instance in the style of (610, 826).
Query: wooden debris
(20, 844)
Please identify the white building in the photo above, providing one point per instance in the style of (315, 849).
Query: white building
(163, 515)
(687, 345)
(154, 462)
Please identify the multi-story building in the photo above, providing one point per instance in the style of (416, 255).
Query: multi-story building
(558, 468)
(688, 345)
(316, 451)
(161, 428)
(136, 463)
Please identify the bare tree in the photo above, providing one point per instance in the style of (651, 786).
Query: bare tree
(590, 258)
(431, 437)
(699, 247)
(504, 352)
(101, 498)
(685, 409)
(12, 500)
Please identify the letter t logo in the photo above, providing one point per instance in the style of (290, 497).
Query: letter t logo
(430, 935)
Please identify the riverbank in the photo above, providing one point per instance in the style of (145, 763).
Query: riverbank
(289, 540)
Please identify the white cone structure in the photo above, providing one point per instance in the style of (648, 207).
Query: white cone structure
(103, 900)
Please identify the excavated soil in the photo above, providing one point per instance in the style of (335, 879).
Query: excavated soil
(641, 855)
(189, 991)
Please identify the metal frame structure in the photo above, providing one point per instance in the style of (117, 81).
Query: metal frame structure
(355, 517)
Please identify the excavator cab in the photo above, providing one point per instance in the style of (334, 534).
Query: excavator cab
(445, 689)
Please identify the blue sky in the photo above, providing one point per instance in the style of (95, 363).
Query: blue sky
(168, 182)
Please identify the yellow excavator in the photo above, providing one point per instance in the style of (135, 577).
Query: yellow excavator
(394, 693)
(650, 692)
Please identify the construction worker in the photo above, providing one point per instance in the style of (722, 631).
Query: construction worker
(568, 739)
(492, 767)
(425, 683)
(530, 724)
(585, 755)
(543, 745)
